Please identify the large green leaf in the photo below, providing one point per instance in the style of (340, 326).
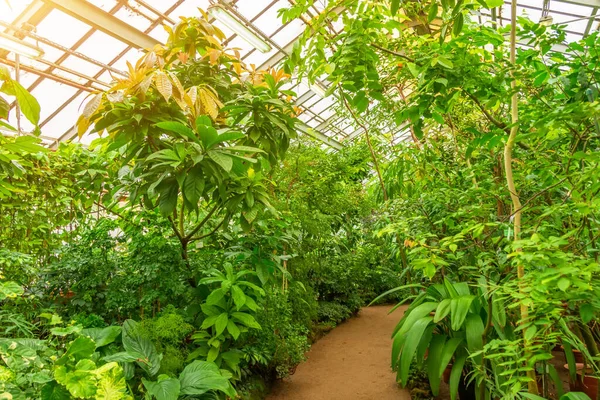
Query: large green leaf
(434, 360)
(81, 384)
(449, 349)
(54, 391)
(10, 289)
(208, 134)
(443, 309)
(498, 312)
(28, 104)
(415, 315)
(123, 356)
(4, 108)
(179, 128)
(474, 331)
(111, 382)
(134, 343)
(81, 348)
(221, 323)
(103, 336)
(164, 389)
(233, 329)
(456, 374)
(168, 198)
(223, 160)
(494, 3)
(410, 347)
(395, 6)
(225, 137)
(201, 376)
(239, 298)
(459, 308)
(193, 186)
(246, 319)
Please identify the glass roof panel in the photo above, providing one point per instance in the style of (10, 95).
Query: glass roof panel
(64, 79)
(66, 37)
(10, 11)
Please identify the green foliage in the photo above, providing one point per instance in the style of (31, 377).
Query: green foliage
(168, 332)
(283, 337)
(451, 81)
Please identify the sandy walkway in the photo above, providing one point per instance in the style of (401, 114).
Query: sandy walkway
(350, 363)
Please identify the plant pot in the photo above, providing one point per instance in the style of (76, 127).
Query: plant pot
(588, 385)
(584, 383)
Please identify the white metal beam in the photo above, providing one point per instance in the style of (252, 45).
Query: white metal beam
(105, 22)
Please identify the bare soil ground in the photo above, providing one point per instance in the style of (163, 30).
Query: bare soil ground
(350, 363)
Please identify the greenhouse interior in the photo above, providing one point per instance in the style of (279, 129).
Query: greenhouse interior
(299, 199)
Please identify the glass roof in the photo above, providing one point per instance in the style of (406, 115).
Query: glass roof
(87, 42)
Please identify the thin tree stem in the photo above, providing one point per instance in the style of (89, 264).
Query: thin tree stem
(516, 202)
(368, 137)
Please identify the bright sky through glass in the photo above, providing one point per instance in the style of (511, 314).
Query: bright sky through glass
(67, 79)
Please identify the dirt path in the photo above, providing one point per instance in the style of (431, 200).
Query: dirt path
(352, 362)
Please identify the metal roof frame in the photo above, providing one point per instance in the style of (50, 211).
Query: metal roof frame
(318, 117)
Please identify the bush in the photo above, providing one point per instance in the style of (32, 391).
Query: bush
(168, 332)
(282, 338)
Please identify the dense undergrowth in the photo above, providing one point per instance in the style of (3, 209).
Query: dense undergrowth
(195, 251)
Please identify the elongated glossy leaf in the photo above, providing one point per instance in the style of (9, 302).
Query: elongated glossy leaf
(434, 359)
(558, 384)
(246, 319)
(449, 349)
(223, 160)
(443, 309)
(415, 315)
(458, 25)
(239, 298)
(193, 186)
(433, 11)
(221, 323)
(424, 344)
(474, 331)
(498, 312)
(233, 329)
(570, 357)
(215, 297)
(394, 290)
(225, 137)
(395, 6)
(4, 108)
(123, 356)
(456, 374)
(410, 347)
(179, 128)
(459, 308)
(567, 396)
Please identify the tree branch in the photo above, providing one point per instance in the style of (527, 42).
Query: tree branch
(392, 52)
(213, 231)
(201, 224)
